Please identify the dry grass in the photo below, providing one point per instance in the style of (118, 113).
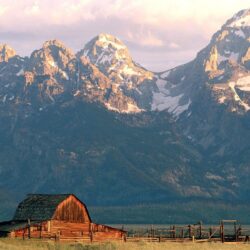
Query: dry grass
(10, 244)
(182, 246)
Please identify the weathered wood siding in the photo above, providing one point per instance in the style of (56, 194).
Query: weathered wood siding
(70, 231)
(71, 210)
(39, 230)
(107, 236)
(105, 233)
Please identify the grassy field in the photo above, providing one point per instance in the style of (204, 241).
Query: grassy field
(7, 244)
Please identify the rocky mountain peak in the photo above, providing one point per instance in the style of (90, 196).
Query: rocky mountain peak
(113, 59)
(222, 66)
(54, 42)
(6, 52)
(229, 46)
(107, 52)
(240, 19)
(226, 63)
(53, 57)
(129, 88)
(106, 40)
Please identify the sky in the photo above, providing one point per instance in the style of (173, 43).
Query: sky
(160, 34)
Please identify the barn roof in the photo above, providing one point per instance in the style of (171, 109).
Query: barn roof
(8, 226)
(38, 206)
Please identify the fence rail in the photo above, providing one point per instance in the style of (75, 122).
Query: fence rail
(226, 231)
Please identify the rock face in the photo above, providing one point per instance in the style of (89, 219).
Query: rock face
(98, 119)
(6, 52)
(103, 71)
(52, 59)
(222, 67)
(227, 65)
(131, 82)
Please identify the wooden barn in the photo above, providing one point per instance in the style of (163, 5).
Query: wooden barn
(59, 217)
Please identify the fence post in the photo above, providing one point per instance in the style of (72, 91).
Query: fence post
(235, 231)
(91, 232)
(124, 237)
(29, 228)
(222, 231)
(200, 229)
(190, 231)
(40, 233)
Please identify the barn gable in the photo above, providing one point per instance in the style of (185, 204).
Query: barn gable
(42, 207)
(73, 210)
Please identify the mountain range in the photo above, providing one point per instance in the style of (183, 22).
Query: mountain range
(98, 124)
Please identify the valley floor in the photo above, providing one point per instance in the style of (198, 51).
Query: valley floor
(10, 244)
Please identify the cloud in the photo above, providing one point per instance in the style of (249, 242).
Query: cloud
(145, 37)
(157, 13)
(174, 45)
(156, 27)
(3, 9)
(33, 9)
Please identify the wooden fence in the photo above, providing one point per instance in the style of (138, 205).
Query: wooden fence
(226, 231)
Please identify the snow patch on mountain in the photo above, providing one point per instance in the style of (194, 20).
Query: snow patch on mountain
(102, 59)
(241, 19)
(232, 56)
(77, 93)
(132, 108)
(165, 74)
(222, 99)
(163, 100)
(181, 108)
(65, 75)
(211, 176)
(236, 96)
(129, 71)
(244, 83)
(12, 98)
(20, 72)
(240, 33)
(52, 63)
(4, 99)
(109, 107)
(106, 41)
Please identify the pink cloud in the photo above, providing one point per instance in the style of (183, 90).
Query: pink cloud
(159, 28)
